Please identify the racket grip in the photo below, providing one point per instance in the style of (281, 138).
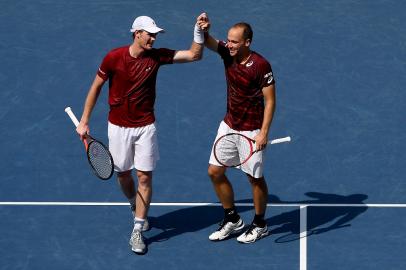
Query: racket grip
(280, 140)
(72, 116)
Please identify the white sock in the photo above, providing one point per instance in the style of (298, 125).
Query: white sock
(138, 223)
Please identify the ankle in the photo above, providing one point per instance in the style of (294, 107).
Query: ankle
(231, 215)
(259, 220)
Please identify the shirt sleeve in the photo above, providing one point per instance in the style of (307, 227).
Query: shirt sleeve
(222, 50)
(165, 56)
(105, 67)
(266, 77)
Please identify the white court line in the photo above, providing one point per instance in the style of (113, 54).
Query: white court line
(302, 207)
(303, 238)
(385, 205)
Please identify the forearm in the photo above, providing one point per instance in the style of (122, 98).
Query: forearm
(210, 42)
(196, 50)
(270, 103)
(91, 100)
(268, 116)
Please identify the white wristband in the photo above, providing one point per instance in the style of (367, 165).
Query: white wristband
(198, 35)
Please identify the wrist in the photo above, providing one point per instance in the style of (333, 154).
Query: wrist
(198, 35)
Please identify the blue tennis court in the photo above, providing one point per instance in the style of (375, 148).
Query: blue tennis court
(337, 191)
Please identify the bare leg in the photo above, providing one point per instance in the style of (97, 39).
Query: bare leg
(144, 194)
(144, 190)
(222, 186)
(126, 183)
(259, 193)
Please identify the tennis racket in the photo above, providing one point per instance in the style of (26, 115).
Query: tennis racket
(98, 155)
(234, 149)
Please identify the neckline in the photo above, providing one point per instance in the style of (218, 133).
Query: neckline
(245, 61)
(134, 57)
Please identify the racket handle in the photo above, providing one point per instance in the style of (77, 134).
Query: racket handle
(280, 140)
(72, 116)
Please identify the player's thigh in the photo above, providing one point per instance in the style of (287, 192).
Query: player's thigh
(121, 147)
(146, 149)
(255, 164)
(222, 130)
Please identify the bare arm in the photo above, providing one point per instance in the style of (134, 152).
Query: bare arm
(270, 102)
(193, 54)
(94, 91)
(211, 42)
(196, 49)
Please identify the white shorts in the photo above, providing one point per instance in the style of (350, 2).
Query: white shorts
(254, 165)
(133, 147)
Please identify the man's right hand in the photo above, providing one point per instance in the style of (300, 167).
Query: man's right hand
(82, 129)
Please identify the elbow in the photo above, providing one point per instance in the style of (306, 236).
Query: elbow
(197, 56)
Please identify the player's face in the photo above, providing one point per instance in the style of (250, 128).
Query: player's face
(236, 43)
(145, 40)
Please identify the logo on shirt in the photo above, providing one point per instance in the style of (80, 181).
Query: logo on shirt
(249, 63)
(269, 76)
(102, 72)
(148, 69)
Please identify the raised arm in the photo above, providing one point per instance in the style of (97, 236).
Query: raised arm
(211, 42)
(196, 49)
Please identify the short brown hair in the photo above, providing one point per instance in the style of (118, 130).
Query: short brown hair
(247, 30)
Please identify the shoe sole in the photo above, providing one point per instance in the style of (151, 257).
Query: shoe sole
(254, 240)
(235, 231)
(139, 251)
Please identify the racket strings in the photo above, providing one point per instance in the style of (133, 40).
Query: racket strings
(100, 160)
(232, 150)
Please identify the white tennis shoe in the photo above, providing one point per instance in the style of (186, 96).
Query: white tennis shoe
(137, 242)
(145, 227)
(254, 233)
(226, 229)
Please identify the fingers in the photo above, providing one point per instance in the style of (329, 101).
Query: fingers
(83, 131)
(204, 26)
(260, 142)
(260, 147)
(203, 21)
(203, 17)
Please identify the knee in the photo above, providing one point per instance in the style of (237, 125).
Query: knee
(256, 181)
(144, 179)
(123, 176)
(215, 173)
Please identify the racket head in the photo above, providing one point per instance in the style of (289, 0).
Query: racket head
(100, 159)
(233, 149)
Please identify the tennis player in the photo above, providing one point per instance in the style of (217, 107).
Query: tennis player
(131, 71)
(250, 109)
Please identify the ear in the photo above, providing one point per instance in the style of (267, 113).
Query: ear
(247, 42)
(137, 34)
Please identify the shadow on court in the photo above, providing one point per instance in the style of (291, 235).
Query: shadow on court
(319, 219)
(186, 220)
